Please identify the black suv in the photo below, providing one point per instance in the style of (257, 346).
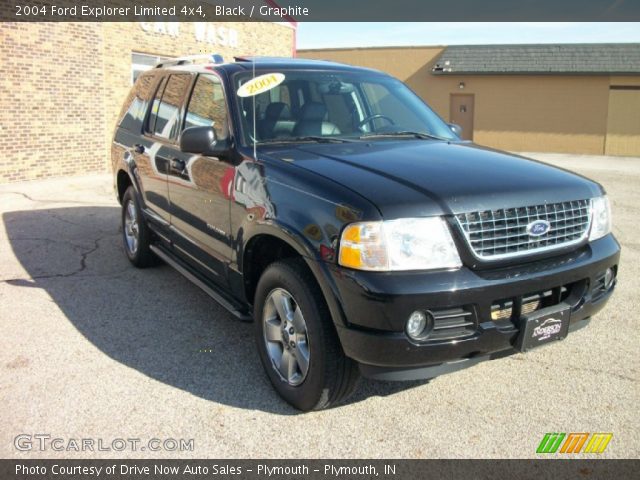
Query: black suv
(330, 205)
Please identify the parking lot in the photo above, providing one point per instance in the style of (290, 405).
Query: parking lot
(93, 348)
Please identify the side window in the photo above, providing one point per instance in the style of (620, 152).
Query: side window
(134, 108)
(154, 107)
(207, 106)
(166, 112)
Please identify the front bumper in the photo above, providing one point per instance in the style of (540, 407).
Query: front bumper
(377, 305)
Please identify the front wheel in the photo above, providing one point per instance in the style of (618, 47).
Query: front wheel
(296, 339)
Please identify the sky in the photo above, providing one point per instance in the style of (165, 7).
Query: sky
(338, 34)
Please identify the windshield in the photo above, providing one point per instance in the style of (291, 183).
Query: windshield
(292, 106)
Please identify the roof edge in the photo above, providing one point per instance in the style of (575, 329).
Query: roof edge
(470, 45)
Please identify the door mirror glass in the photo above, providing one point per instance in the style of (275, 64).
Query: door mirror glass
(202, 141)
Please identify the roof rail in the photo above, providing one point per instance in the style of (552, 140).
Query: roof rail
(209, 57)
(260, 58)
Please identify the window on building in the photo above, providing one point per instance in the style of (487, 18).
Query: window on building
(141, 62)
(207, 106)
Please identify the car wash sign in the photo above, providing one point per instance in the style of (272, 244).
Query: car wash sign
(209, 33)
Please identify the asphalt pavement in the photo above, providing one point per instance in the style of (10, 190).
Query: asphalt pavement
(92, 348)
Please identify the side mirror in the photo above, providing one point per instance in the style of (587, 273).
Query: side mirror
(455, 128)
(202, 140)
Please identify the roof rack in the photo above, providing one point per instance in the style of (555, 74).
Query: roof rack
(261, 59)
(210, 58)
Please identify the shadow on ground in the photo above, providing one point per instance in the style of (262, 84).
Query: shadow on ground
(151, 320)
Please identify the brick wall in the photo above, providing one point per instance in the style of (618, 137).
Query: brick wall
(63, 85)
(52, 116)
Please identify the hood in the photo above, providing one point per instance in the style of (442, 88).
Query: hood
(422, 177)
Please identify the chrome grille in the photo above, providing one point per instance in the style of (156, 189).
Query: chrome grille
(502, 233)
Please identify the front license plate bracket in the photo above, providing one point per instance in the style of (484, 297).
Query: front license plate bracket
(543, 326)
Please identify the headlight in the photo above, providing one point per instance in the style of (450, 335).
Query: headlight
(600, 217)
(405, 244)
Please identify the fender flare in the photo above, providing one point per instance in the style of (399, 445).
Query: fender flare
(318, 267)
(129, 169)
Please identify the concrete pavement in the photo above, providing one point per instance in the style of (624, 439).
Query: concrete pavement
(93, 348)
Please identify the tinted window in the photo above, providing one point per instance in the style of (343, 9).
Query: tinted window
(207, 106)
(165, 114)
(383, 101)
(339, 104)
(132, 114)
(156, 104)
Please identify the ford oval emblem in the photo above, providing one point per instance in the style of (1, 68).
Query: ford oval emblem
(537, 228)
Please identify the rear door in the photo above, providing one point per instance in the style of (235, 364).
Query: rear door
(199, 186)
(151, 172)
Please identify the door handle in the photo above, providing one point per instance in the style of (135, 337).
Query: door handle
(138, 148)
(177, 164)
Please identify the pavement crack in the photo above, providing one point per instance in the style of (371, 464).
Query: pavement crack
(45, 240)
(84, 255)
(22, 194)
(53, 215)
(45, 200)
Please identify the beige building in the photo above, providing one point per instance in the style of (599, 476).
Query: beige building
(63, 83)
(575, 98)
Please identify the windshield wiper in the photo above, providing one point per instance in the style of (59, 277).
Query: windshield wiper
(308, 138)
(404, 134)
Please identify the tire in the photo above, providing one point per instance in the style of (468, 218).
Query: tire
(136, 236)
(330, 376)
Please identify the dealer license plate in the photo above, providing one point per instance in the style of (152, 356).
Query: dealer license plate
(543, 326)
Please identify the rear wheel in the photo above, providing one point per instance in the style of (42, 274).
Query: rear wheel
(136, 235)
(296, 339)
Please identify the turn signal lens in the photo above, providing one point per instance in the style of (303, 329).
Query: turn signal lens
(362, 247)
(351, 256)
(351, 234)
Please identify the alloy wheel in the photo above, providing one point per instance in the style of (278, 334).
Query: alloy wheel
(131, 227)
(285, 336)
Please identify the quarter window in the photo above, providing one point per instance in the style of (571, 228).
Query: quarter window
(132, 114)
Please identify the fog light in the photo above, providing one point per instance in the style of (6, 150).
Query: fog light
(418, 323)
(609, 276)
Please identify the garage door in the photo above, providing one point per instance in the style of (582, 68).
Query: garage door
(623, 121)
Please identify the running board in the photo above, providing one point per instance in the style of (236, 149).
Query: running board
(195, 278)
